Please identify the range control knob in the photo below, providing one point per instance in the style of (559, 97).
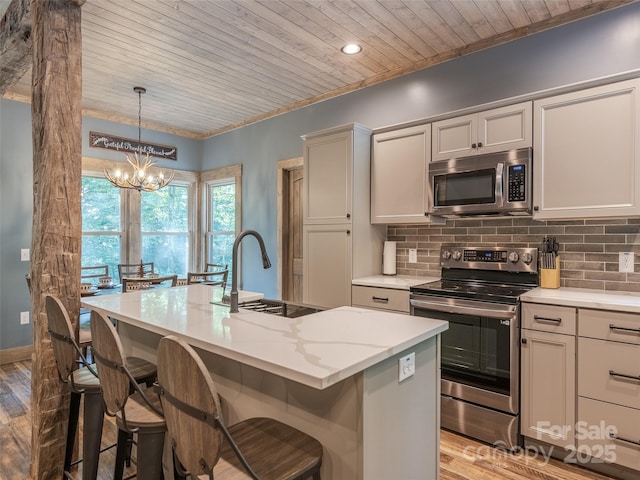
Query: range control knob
(513, 257)
(446, 255)
(527, 258)
(457, 254)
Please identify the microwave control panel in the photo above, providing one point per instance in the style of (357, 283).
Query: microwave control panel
(517, 190)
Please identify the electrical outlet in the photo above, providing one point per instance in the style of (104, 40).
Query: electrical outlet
(24, 318)
(626, 262)
(413, 255)
(406, 366)
(25, 255)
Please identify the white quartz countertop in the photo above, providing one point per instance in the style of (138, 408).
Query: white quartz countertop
(585, 298)
(396, 282)
(317, 350)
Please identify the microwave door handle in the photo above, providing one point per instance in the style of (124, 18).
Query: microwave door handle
(500, 184)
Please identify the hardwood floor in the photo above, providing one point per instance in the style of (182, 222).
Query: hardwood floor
(460, 457)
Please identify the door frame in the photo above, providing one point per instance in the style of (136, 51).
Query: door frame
(284, 166)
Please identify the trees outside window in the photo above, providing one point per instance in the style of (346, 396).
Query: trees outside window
(222, 213)
(101, 224)
(164, 216)
(222, 221)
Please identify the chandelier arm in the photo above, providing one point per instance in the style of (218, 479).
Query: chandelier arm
(141, 180)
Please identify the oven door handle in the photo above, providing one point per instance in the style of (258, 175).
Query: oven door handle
(470, 308)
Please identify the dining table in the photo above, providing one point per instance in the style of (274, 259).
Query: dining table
(333, 374)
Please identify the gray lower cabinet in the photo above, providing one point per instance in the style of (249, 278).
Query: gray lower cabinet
(608, 425)
(380, 298)
(580, 383)
(548, 362)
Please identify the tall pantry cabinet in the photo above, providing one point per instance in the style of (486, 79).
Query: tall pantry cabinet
(339, 242)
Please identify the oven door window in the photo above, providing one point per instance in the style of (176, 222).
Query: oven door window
(475, 350)
(477, 187)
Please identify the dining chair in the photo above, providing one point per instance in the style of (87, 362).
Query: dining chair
(138, 413)
(141, 269)
(209, 278)
(75, 371)
(131, 284)
(94, 272)
(214, 267)
(258, 448)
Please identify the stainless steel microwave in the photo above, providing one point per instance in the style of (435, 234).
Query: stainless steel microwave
(488, 184)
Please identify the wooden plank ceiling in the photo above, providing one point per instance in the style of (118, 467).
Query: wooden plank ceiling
(213, 65)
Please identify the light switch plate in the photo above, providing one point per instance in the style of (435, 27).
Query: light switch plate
(406, 366)
(413, 255)
(24, 318)
(25, 255)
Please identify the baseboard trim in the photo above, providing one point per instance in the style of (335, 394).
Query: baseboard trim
(17, 354)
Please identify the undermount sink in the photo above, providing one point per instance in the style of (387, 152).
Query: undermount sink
(280, 307)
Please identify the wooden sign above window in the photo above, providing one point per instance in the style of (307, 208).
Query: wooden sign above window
(127, 145)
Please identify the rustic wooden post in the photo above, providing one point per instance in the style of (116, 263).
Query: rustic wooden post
(57, 168)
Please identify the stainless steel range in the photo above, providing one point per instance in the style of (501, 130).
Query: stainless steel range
(478, 295)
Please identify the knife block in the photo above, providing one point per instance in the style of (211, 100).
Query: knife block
(550, 277)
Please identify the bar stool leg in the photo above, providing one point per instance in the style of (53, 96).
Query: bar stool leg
(92, 433)
(72, 429)
(121, 453)
(150, 449)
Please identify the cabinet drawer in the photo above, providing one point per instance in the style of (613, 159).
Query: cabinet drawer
(600, 369)
(380, 298)
(595, 440)
(617, 326)
(549, 318)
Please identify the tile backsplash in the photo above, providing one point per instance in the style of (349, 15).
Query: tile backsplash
(588, 248)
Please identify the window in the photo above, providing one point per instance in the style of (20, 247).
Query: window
(164, 216)
(223, 220)
(101, 224)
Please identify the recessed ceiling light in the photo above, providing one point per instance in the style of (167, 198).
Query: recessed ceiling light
(351, 48)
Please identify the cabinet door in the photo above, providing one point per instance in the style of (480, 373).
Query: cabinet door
(399, 175)
(505, 128)
(327, 265)
(587, 153)
(328, 170)
(454, 137)
(548, 388)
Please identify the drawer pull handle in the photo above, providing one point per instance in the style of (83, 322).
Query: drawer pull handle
(380, 299)
(622, 375)
(624, 329)
(547, 319)
(613, 436)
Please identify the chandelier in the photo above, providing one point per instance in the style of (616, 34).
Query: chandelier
(140, 178)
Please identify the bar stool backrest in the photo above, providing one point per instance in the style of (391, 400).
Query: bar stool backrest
(183, 376)
(62, 337)
(110, 359)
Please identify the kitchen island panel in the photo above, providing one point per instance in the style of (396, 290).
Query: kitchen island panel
(359, 420)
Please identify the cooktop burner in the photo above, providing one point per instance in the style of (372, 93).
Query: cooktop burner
(491, 274)
(494, 292)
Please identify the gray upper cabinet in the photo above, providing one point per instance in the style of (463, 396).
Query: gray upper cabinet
(587, 153)
(399, 176)
(490, 131)
(328, 176)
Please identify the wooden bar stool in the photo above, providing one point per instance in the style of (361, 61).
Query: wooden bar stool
(258, 448)
(136, 413)
(75, 371)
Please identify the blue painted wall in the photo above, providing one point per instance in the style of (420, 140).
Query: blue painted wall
(591, 48)
(16, 200)
(604, 45)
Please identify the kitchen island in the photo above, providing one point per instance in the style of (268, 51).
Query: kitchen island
(332, 374)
